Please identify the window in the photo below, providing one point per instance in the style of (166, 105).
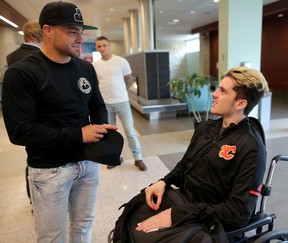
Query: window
(193, 45)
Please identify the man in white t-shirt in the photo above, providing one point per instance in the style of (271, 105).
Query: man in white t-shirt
(115, 77)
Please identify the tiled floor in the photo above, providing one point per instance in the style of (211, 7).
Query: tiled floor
(163, 143)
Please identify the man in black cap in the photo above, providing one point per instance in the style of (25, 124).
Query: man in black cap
(53, 106)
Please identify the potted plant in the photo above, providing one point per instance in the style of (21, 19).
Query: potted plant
(196, 90)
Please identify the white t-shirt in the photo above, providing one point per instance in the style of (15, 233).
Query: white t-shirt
(110, 75)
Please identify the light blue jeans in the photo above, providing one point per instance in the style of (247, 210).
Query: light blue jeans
(71, 189)
(123, 111)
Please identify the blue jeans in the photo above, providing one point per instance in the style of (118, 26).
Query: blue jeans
(123, 110)
(55, 191)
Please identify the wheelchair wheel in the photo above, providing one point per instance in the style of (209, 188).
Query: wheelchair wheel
(275, 236)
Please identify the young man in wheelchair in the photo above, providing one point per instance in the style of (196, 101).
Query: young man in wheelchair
(224, 164)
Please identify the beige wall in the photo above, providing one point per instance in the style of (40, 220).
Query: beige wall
(204, 59)
(177, 57)
(118, 48)
(7, 45)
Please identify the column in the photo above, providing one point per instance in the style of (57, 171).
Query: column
(240, 33)
(146, 9)
(127, 36)
(134, 28)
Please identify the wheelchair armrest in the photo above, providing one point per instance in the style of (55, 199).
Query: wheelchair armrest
(255, 222)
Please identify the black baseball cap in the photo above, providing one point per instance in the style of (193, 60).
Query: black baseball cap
(62, 13)
(107, 151)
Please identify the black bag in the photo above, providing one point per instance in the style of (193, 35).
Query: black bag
(203, 228)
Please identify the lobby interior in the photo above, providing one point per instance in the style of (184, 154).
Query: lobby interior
(163, 143)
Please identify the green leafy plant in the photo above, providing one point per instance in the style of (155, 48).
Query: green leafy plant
(191, 88)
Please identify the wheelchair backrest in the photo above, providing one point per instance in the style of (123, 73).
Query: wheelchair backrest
(258, 126)
(255, 123)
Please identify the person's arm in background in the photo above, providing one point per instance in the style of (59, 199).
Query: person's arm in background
(128, 80)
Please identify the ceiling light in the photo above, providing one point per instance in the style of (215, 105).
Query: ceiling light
(176, 20)
(161, 11)
(192, 12)
(216, 1)
(20, 32)
(107, 19)
(111, 9)
(9, 22)
(280, 15)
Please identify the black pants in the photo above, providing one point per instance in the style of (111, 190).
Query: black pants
(189, 232)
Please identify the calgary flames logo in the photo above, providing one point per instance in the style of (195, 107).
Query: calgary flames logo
(227, 152)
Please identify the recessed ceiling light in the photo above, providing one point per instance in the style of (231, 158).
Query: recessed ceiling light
(112, 9)
(107, 19)
(171, 23)
(20, 32)
(176, 20)
(192, 12)
(280, 15)
(9, 22)
(161, 11)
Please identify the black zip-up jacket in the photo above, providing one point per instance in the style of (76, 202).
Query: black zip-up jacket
(223, 170)
(45, 105)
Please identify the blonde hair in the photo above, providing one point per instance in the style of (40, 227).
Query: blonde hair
(32, 31)
(250, 85)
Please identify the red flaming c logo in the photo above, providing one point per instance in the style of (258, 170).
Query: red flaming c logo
(227, 152)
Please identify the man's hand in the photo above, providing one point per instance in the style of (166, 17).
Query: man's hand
(93, 133)
(156, 190)
(159, 221)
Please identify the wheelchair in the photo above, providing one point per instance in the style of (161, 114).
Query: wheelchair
(260, 226)
(261, 222)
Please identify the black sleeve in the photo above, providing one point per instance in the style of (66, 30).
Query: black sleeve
(19, 97)
(176, 176)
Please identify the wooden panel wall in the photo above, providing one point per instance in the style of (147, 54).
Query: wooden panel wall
(274, 56)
